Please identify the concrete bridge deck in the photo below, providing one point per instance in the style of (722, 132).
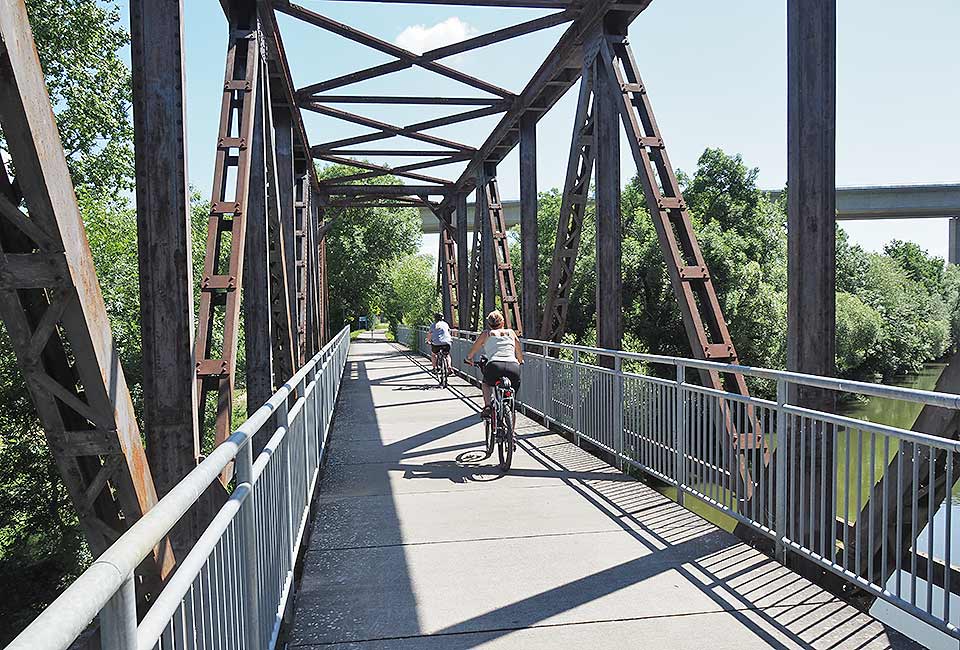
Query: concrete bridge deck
(420, 542)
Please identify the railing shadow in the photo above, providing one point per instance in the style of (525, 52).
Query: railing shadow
(776, 607)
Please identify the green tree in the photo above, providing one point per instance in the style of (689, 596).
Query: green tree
(916, 325)
(916, 263)
(411, 295)
(859, 331)
(895, 311)
(362, 245)
(41, 544)
(951, 297)
(79, 44)
(852, 264)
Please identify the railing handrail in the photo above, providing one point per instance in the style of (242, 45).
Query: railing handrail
(59, 624)
(927, 397)
(857, 501)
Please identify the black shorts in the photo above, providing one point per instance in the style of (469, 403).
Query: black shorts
(436, 348)
(494, 370)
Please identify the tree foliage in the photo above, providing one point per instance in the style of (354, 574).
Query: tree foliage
(411, 295)
(79, 44)
(895, 310)
(41, 545)
(362, 245)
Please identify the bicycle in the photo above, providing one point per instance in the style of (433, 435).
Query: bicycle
(443, 369)
(499, 427)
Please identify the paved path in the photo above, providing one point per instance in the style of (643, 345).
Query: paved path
(420, 542)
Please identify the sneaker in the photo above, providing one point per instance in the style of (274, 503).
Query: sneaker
(485, 413)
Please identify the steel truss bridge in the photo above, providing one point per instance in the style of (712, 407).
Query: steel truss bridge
(157, 508)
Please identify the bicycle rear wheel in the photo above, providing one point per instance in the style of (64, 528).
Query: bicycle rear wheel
(505, 441)
(445, 372)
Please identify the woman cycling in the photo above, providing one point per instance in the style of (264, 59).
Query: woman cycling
(503, 352)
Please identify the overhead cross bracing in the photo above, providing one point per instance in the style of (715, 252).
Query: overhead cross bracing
(476, 99)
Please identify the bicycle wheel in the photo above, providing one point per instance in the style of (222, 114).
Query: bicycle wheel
(445, 373)
(505, 439)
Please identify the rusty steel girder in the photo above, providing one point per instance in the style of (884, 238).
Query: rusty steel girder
(476, 281)
(450, 253)
(703, 317)
(54, 312)
(509, 300)
(573, 205)
(217, 335)
(301, 225)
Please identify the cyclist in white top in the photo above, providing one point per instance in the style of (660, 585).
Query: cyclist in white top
(439, 338)
(504, 355)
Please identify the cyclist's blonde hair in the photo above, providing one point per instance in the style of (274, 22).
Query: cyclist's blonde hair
(495, 319)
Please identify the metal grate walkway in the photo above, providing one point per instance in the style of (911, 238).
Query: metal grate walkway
(420, 542)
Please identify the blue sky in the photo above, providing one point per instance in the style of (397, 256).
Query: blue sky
(715, 70)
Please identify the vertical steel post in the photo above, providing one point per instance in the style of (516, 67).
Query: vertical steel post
(543, 382)
(577, 416)
(257, 330)
(318, 410)
(251, 552)
(618, 409)
(164, 243)
(529, 253)
(609, 236)
(283, 129)
(118, 619)
(780, 524)
(463, 271)
(308, 425)
(680, 442)
(487, 259)
(811, 232)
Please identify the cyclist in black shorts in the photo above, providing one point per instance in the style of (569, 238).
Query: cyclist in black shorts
(504, 355)
(439, 338)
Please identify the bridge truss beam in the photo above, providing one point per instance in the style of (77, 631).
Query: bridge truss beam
(55, 315)
(164, 241)
(222, 279)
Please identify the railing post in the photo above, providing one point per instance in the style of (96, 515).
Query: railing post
(577, 417)
(251, 552)
(543, 383)
(680, 439)
(308, 425)
(118, 620)
(318, 380)
(618, 410)
(780, 525)
(283, 420)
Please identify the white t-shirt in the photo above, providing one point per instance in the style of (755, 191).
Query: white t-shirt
(499, 348)
(440, 333)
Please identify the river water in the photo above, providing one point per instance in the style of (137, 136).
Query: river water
(893, 412)
(903, 415)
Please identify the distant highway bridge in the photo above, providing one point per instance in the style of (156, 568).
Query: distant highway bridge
(853, 204)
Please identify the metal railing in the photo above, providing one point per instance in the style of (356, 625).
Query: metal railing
(801, 478)
(231, 590)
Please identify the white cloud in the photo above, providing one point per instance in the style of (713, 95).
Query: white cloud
(420, 38)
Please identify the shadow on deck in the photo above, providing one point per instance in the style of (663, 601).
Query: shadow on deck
(421, 542)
